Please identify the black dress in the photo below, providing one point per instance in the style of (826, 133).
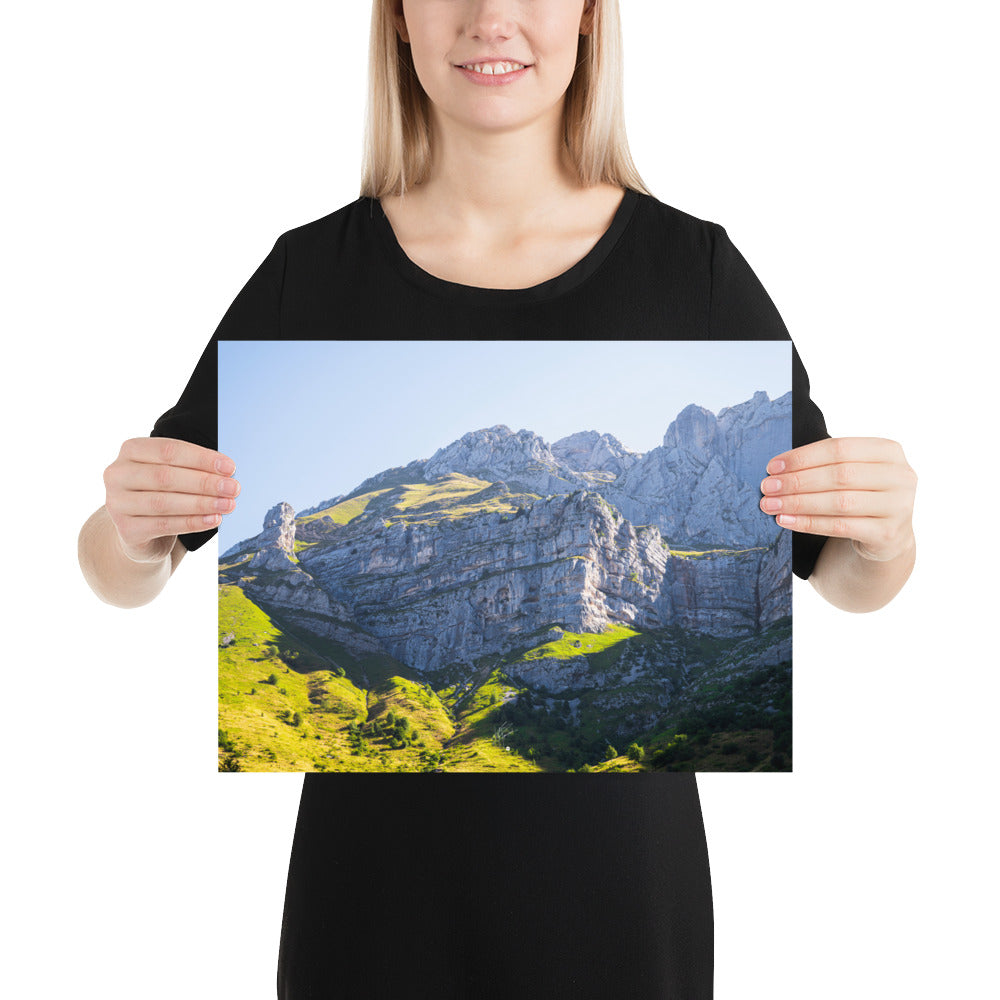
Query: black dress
(490, 885)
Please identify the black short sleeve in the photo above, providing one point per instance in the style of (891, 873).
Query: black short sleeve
(741, 309)
(255, 314)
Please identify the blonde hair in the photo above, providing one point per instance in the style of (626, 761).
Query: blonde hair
(397, 140)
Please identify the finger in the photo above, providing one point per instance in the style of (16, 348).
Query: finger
(173, 451)
(143, 477)
(866, 530)
(832, 451)
(845, 476)
(135, 531)
(156, 503)
(841, 503)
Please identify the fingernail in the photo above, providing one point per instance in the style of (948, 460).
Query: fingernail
(786, 519)
(775, 466)
(771, 485)
(225, 466)
(771, 504)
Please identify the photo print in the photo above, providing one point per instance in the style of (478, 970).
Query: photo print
(508, 556)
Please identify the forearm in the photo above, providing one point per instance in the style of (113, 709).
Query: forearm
(113, 576)
(852, 583)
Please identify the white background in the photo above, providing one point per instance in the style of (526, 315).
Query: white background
(154, 153)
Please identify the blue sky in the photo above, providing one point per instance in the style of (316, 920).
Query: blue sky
(308, 420)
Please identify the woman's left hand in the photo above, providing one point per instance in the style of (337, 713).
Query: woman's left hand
(852, 487)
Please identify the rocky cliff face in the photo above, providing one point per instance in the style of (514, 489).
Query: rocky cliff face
(701, 486)
(498, 538)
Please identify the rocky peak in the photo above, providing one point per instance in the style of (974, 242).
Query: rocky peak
(490, 448)
(276, 543)
(754, 410)
(522, 459)
(589, 451)
(756, 431)
(694, 431)
(279, 527)
(702, 485)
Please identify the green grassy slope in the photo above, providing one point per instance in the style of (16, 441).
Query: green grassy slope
(293, 701)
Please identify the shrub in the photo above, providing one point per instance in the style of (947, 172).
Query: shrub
(271, 679)
(634, 751)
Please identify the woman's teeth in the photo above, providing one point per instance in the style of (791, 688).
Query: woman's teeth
(495, 69)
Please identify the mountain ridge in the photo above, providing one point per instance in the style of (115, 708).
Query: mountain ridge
(499, 544)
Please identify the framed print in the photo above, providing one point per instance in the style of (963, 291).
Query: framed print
(530, 556)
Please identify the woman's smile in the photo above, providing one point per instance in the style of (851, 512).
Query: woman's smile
(494, 74)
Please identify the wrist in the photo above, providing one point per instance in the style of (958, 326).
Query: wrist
(157, 552)
(856, 583)
(900, 551)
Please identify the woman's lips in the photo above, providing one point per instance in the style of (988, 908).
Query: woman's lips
(486, 80)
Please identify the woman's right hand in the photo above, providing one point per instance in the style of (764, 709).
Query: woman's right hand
(158, 488)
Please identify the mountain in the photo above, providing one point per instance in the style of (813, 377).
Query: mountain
(616, 589)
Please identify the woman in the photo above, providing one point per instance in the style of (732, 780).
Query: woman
(501, 205)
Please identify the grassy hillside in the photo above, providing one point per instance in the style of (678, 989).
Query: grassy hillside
(292, 701)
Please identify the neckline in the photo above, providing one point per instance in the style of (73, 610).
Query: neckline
(562, 283)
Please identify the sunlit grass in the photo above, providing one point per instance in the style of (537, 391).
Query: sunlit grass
(345, 511)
